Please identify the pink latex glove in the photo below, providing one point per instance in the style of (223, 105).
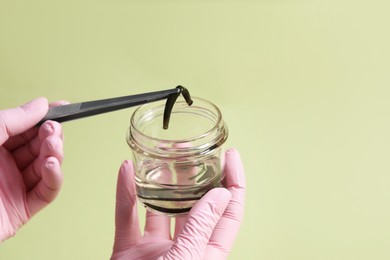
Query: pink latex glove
(30, 159)
(207, 232)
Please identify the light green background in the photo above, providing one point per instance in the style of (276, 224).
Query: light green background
(303, 86)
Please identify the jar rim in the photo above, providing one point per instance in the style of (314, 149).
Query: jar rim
(215, 126)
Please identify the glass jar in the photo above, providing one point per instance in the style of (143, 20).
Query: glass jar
(174, 168)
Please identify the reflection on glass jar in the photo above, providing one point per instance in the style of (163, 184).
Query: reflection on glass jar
(176, 167)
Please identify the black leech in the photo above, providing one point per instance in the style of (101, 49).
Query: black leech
(171, 101)
(186, 94)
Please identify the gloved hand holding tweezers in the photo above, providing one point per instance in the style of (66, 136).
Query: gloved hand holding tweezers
(31, 157)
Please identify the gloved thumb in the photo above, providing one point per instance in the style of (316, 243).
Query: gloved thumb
(191, 243)
(127, 232)
(18, 120)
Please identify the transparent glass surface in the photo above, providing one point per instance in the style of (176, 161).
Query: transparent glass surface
(176, 167)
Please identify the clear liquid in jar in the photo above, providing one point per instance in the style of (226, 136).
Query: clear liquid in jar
(173, 189)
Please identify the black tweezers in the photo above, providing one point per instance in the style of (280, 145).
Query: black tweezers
(90, 108)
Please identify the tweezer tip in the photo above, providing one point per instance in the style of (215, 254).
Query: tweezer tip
(186, 94)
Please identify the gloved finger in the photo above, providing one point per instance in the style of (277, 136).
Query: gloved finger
(157, 225)
(17, 141)
(27, 153)
(191, 243)
(169, 176)
(52, 146)
(25, 137)
(59, 103)
(127, 231)
(15, 121)
(185, 176)
(228, 226)
(55, 104)
(179, 224)
(48, 187)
